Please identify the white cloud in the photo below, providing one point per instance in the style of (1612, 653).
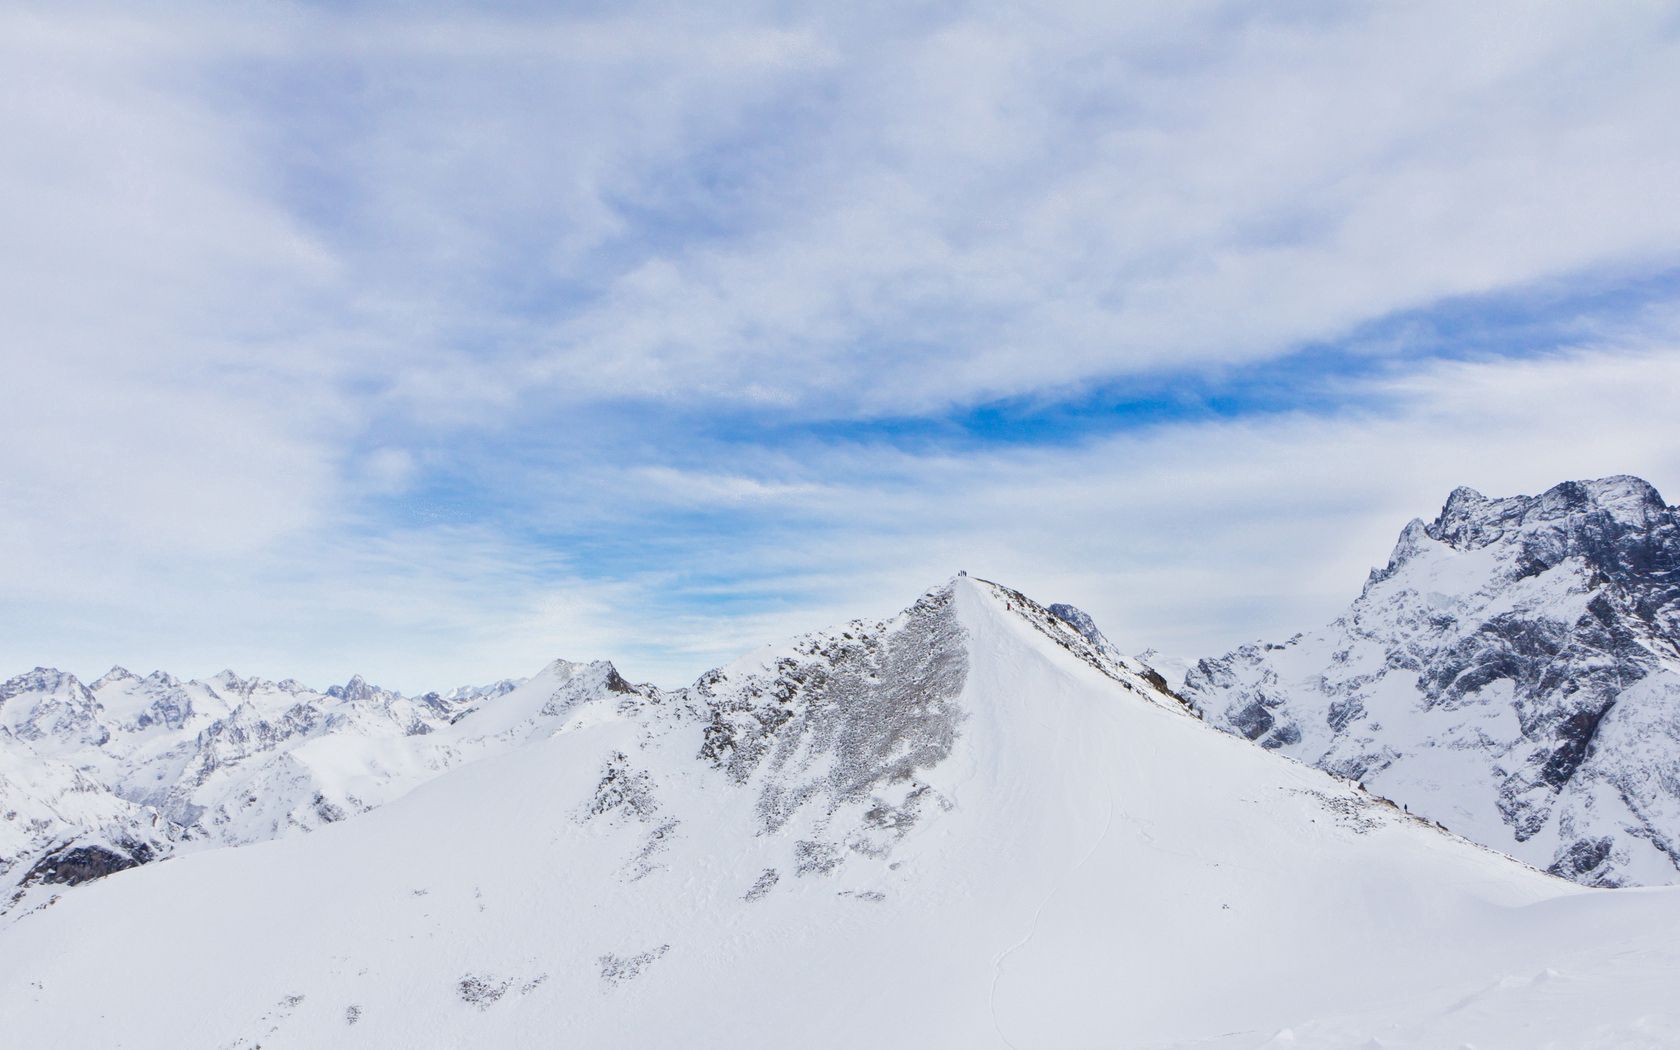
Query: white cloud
(270, 276)
(1000, 206)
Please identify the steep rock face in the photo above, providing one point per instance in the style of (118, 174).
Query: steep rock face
(1513, 671)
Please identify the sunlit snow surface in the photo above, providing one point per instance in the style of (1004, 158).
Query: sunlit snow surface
(965, 827)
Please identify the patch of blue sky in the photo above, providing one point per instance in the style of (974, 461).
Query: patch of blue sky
(569, 483)
(1320, 377)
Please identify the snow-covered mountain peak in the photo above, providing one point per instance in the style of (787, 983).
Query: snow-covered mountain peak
(1510, 671)
(1080, 620)
(1414, 539)
(52, 710)
(44, 680)
(356, 690)
(561, 669)
(1143, 666)
(117, 673)
(1578, 512)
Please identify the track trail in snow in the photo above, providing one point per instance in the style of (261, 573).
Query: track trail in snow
(1038, 913)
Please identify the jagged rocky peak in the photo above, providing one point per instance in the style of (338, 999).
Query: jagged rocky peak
(1612, 524)
(1079, 620)
(51, 706)
(1581, 511)
(357, 689)
(229, 684)
(45, 680)
(1513, 671)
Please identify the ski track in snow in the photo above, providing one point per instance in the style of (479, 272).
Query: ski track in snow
(1032, 928)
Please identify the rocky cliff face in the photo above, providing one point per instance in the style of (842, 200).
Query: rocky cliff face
(1513, 671)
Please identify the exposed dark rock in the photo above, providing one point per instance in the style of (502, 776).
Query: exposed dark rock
(762, 886)
(1253, 721)
(74, 865)
(1583, 859)
(1574, 737)
(616, 969)
(480, 990)
(853, 713)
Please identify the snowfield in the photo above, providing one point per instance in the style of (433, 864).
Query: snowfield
(964, 827)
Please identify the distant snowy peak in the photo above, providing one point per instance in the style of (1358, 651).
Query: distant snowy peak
(1514, 671)
(52, 711)
(1148, 665)
(1081, 621)
(115, 674)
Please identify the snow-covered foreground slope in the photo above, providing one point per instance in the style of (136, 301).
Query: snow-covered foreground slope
(965, 827)
(1514, 672)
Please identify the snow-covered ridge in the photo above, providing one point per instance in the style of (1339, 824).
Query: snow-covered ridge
(965, 825)
(1513, 671)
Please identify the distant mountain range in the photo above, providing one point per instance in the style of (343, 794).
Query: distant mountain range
(102, 777)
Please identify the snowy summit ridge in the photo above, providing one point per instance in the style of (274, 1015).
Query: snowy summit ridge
(1513, 671)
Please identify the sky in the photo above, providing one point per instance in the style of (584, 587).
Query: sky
(433, 342)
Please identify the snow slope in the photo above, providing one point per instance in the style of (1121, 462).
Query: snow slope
(962, 827)
(1514, 672)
